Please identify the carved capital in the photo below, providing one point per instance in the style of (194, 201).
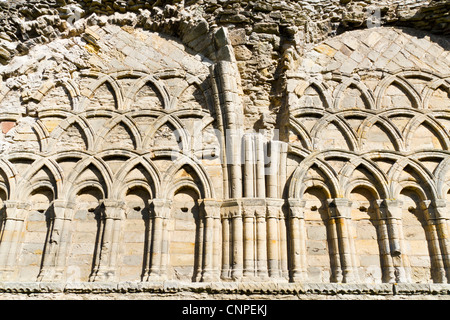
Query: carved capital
(440, 209)
(339, 208)
(63, 209)
(274, 208)
(231, 209)
(113, 209)
(17, 210)
(296, 208)
(392, 209)
(160, 208)
(211, 208)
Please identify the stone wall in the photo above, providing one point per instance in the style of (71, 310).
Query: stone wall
(266, 144)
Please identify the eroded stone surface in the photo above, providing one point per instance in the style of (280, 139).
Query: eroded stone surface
(286, 148)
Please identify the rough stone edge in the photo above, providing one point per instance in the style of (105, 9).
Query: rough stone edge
(245, 288)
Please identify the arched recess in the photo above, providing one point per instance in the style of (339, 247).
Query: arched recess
(182, 168)
(38, 225)
(102, 92)
(299, 135)
(397, 92)
(319, 256)
(186, 229)
(365, 228)
(406, 171)
(43, 171)
(147, 92)
(423, 132)
(196, 95)
(311, 94)
(353, 94)
(417, 235)
(119, 132)
(310, 172)
(332, 132)
(89, 170)
(60, 95)
(135, 242)
(167, 132)
(377, 133)
(86, 231)
(366, 173)
(8, 178)
(437, 95)
(136, 169)
(73, 133)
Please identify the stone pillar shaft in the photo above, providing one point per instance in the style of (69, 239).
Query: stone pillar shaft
(16, 213)
(393, 213)
(388, 272)
(297, 240)
(54, 263)
(211, 213)
(160, 212)
(107, 263)
(340, 213)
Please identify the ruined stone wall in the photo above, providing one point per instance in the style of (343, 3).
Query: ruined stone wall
(293, 147)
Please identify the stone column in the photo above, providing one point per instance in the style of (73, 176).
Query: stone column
(237, 243)
(393, 215)
(160, 212)
(441, 216)
(273, 254)
(297, 232)
(112, 216)
(249, 162)
(333, 241)
(437, 264)
(261, 241)
(54, 263)
(260, 169)
(388, 271)
(249, 241)
(217, 247)
(340, 212)
(211, 212)
(283, 245)
(16, 213)
(226, 244)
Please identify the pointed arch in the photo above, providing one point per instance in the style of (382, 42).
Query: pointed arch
(342, 126)
(155, 83)
(432, 125)
(300, 130)
(153, 185)
(366, 94)
(102, 79)
(391, 131)
(403, 85)
(426, 178)
(77, 120)
(298, 185)
(72, 184)
(179, 129)
(180, 161)
(27, 182)
(428, 91)
(128, 123)
(320, 88)
(9, 175)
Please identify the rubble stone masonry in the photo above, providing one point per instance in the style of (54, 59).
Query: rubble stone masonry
(222, 149)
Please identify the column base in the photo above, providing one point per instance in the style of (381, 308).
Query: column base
(103, 276)
(7, 275)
